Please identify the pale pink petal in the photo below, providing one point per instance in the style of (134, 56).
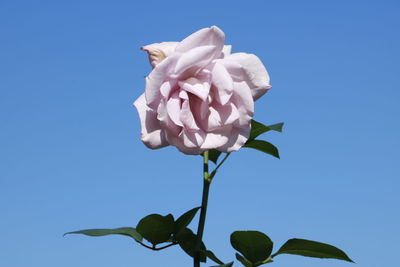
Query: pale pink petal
(204, 37)
(235, 69)
(256, 74)
(221, 115)
(187, 118)
(157, 52)
(183, 95)
(196, 87)
(192, 139)
(237, 138)
(152, 134)
(200, 110)
(174, 108)
(177, 142)
(217, 138)
(214, 120)
(226, 50)
(228, 113)
(165, 120)
(244, 102)
(165, 89)
(223, 83)
(156, 78)
(199, 56)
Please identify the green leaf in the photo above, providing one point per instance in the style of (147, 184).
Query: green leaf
(224, 265)
(258, 128)
(213, 155)
(185, 219)
(127, 231)
(254, 246)
(187, 241)
(156, 228)
(209, 254)
(263, 146)
(243, 260)
(310, 248)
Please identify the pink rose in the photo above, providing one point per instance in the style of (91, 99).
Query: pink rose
(199, 96)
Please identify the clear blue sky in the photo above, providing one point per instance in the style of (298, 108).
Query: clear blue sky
(71, 157)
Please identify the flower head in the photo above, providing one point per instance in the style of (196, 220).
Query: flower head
(199, 96)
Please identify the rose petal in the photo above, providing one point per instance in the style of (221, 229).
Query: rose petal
(177, 142)
(200, 110)
(183, 94)
(237, 138)
(159, 51)
(222, 115)
(156, 78)
(256, 74)
(174, 108)
(187, 118)
(217, 138)
(152, 134)
(222, 81)
(165, 120)
(244, 102)
(204, 37)
(192, 139)
(166, 89)
(198, 56)
(196, 87)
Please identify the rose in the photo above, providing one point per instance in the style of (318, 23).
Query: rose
(199, 96)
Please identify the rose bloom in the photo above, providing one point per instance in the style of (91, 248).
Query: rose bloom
(199, 96)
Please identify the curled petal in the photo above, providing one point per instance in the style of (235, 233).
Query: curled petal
(222, 82)
(167, 124)
(200, 110)
(237, 138)
(192, 139)
(221, 115)
(204, 37)
(196, 87)
(174, 108)
(244, 102)
(156, 78)
(217, 138)
(255, 73)
(187, 117)
(152, 134)
(159, 51)
(198, 57)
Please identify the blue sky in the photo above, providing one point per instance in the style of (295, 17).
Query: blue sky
(71, 157)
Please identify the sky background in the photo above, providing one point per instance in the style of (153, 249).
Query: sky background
(71, 156)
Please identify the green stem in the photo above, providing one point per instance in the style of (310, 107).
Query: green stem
(204, 202)
(156, 249)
